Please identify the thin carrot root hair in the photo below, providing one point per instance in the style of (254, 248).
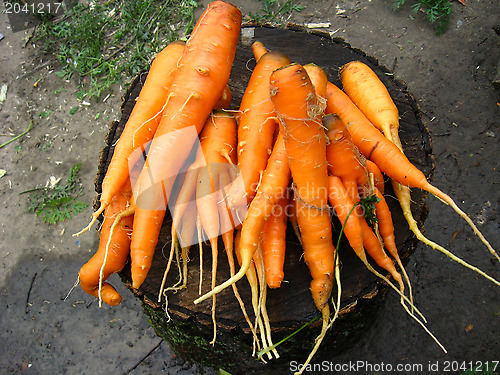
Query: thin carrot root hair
(259, 266)
(449, 201)
(327, 321)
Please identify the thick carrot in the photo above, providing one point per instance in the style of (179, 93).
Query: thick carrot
(257, 122)
(274, 182)
(142, 122)
(112, 253)
(370, 95)
(273, 243)
(201, 76)
(388, 157)
(318, 78)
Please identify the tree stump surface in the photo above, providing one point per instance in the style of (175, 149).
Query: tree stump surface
(189, 329)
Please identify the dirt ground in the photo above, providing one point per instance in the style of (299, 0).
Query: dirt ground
(451, 77)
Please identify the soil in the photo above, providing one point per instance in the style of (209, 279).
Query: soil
(44, 330)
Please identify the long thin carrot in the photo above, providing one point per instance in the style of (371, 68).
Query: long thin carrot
(201, 76)
(112, 253)
(257, 122)
(386, 154)
(142, 122)
(273, 243)
(274, 182)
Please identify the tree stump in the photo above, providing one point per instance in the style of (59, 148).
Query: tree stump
(189, 329)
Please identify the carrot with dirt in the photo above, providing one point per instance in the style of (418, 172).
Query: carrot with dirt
(202, 73)
(390, 159)
(141, 124)
(257, 124)
(273, 243)
(274, 182)
(112, 253)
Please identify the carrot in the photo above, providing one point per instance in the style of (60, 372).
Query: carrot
(225, 99)
(378, 178)
(258, 50)
(218, 142)
(387, 155)
(300, 112)
(251, 276)
(370, 95)
(273, 243)
(112, 253)
(257, 123)
(141, 124)
(274, 182)
(318, 78)
(201, 76)
(344, 158)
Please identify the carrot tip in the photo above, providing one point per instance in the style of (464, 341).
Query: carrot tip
(95, 215)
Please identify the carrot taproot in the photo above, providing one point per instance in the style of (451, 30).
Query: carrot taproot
(258, 260)
(112, 253)
(258, 49)
(273, 243)
(274, 182)
(251, 275)
(202, 73)
(257, 123)
(141, 124)
(388, 157)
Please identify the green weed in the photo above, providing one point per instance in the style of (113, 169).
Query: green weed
(58, 202)
(437, 12)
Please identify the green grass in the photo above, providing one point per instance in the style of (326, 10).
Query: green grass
(437, 12)
(109, 42)
(271, 10)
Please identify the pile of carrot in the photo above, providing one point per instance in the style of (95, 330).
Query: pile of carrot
(297, 151)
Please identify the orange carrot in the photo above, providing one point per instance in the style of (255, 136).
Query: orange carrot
(274, 182)
(258, 50)
(370, 95)
(112, 253)
(300, 112)
(387, 155)
(318, 78)
(201, 76)
(142, 122)
(257, 123)
(344, 158)
(378, 178)
(225, 99)
(273, 243)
